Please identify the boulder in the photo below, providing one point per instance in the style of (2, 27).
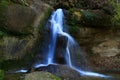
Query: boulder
(41, 76)
(19, 19)
(22, 32)
(60, 50)
(62, 71)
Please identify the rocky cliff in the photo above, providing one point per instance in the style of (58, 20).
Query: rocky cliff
(92, 23)
(20, 29)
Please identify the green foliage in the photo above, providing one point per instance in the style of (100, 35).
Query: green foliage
(54, 77)
(73, 23)
(2, 34)
(74, 30)
(23, 2)
(3, 4)
(71, 20)
(2, 74)
(90, 16)
(116, 17)
(117, 14)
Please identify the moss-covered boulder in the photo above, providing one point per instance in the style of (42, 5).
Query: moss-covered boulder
(62, 71)
(41, 76)
(32, 76)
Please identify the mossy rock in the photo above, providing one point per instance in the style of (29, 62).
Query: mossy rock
(96, 18)
(89, 18)
(41, 76)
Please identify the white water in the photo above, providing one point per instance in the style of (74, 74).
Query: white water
(22, 71)
(57, 28)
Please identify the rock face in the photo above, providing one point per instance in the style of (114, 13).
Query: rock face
(60, 50)
(15, 48)
(22, 28)
(90, 18)
(19, 19)
(102, 47)
(107, 49)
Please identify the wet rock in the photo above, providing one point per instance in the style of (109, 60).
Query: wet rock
(61, 71)
(60, 50)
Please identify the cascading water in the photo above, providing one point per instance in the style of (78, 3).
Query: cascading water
(55, 29)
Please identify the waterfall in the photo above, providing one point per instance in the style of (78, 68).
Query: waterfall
(56, 28)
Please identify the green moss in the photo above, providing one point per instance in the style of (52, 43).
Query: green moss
(2, 74)
(23, 2)
(3, 4)
(2, 34)
(74, 30)
(53, 77)
(71, 19)
(44, 20)
(116, 16)
(89, 15)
